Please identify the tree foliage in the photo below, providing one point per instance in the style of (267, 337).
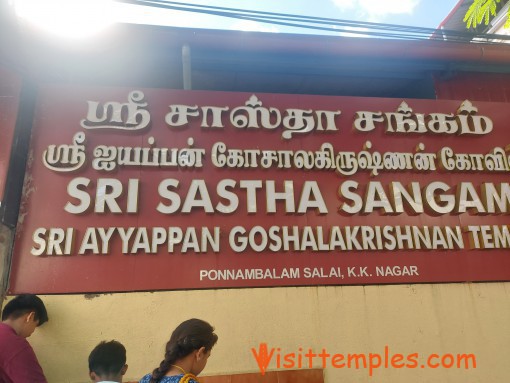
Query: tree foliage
(482, 11)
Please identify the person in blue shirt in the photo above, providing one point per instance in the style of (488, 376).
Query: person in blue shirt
(186, 353)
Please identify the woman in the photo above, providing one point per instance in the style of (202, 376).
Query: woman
(186, 353)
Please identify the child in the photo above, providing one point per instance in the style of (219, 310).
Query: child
(107, 362)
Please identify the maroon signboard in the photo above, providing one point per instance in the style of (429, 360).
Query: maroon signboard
(9, 100)
(152, 189)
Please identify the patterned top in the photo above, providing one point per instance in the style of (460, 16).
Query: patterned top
(166, 379)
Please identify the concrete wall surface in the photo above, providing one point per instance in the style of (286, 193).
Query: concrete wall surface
(442, 319)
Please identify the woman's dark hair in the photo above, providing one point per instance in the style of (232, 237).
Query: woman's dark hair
(189, 336)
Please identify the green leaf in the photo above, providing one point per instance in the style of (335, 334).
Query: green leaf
(480, 10)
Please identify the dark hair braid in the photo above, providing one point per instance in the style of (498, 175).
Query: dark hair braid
(163, 368)
(190, 335)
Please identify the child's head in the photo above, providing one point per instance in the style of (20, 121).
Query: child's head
(107, 361)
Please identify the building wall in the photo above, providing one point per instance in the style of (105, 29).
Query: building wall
(425, 319)
(461, 318)
(10, 84)
(10, 87)
(497, 24)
